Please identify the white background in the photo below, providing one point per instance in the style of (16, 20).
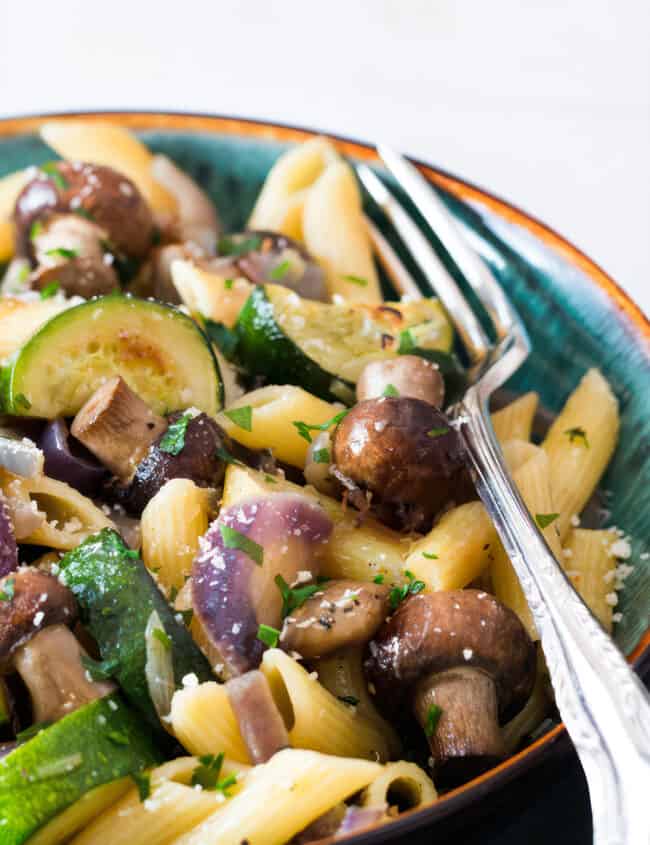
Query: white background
(547, 103)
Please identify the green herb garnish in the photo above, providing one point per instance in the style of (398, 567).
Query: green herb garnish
(23, 274)
(406, 343)
(230, 246)
(268, 635)
(356, 280)
(227, 458)
(270, 480)
(50, 290)
(579, 434)
(50, 169)
(322, 456)
(348, 699)
(99, 670)
(379, 579)
(390, 390)
(22, 401)
(545, 519)
(143, 781)
(280, 270)
(62, 252)
(173, 439)
(32, 730)
(35, 229)
(118, 737)
(162, 638)
(243, 417)
(228, 283)
(294, 597)
(398, 594)
(233, 539)
(82, 212)
(305, 428)
(437, 432)
(208, 774)
(433, 717)
(429, 556)
(9, 590)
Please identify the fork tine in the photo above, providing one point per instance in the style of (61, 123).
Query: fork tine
(468, 327)
(474, 270)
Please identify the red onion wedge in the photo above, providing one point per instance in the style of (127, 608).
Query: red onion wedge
(8, 547)
(260, 722)
(65, 459)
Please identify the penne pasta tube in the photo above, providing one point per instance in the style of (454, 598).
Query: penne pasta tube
(171, 525)
(202, 720)
(209, 294)
(456, 551)
(401, 782)
(10, 187)
(515, 421)
(282, 797)
(590, 566)
(19, 320)
(580, 444)
(315, 719)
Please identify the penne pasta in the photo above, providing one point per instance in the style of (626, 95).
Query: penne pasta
(515, 421)
(357, 550)
(590, 566)
(202, 720)
(274, 409)
(335, 233)
(456, 551)
(282, 797)
(315, 719)
(580, 444)
(19, 320)
(209, 294)
(171, 525)
(10, 187)
(400, 783)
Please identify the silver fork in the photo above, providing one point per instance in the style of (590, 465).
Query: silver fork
(602, 702)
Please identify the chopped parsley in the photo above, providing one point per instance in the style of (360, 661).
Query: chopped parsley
(545, 519)
(398, 594)
(62, 252)
(294, 597)
(118, 737)
(578, 434)
(305, 428)
(162, 638)
(348, 699)
(437, 432)
(379, 579)
(8, 591)
(268, 635)
(82, 212)
(390, 390)
(356, 280)
(233, 539)
(22, 401)
(406, 343)
(433, 717)
(243, 417)
(322, 456)
(270, 480)
(173, 439)
(208, 774)
(32, 730)
(23, 273)
(50, 169)
(50, 290)
(227, 458)
(280, 270)
(228, 283)
(429, 555)
(35, 229)
(143, 781)
(231, 246)
(99, 670)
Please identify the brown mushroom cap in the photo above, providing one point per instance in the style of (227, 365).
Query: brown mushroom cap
(433, 632)
(38, 600)
(99, 193)
(411, 375)
(343, 613)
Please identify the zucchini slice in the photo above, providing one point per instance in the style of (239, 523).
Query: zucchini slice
(162, 354)
(97, 744)
(117, 595)
(324, 347)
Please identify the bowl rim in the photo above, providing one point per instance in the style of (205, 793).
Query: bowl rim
(556, 741)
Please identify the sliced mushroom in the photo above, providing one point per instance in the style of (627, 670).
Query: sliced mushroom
(343, 613)
(405, 452)
(36, 642)
(233, 577)
(260, 722)
(101, 194)
(465, 663)
(408, 375)
(117, 427)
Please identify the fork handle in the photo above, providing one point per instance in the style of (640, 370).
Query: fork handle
(602, 702)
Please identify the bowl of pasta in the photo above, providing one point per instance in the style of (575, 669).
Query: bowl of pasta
(248, 592)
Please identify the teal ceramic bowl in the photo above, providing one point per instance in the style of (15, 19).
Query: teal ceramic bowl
(575, 314)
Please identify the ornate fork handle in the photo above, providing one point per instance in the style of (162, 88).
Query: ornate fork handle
(603, 703)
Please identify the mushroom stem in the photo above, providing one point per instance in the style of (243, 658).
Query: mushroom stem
(117, 427)
(466, 738)
(50, 665)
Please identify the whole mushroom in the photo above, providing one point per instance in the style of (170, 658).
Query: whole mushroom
(410, 376)
(35, 616)
(464, 663)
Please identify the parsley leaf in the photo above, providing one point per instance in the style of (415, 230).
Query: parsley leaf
(305, 428)
(227, 458)
(348, 699)
(390, 390)
(234, 247)
(162, 638)
(51, 169)
(429, 556)
(208, 774)
(233, 539)
(356, 280)
(32, 730)
(294, 597)
(243, 417)
(143, 781)
(322, 456)
(280, 270)
(437, 432)
(406, 343)
(577, 433)
(545, 519)
(50, 290)
(99, 670)
(173, 439)
(228, 283)
(270, 480)
(35, 229)
(433, 717)
(268, 635)
(8, 591)
(398, 594)
(62, 252)
(379, 579)
(22, 401)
